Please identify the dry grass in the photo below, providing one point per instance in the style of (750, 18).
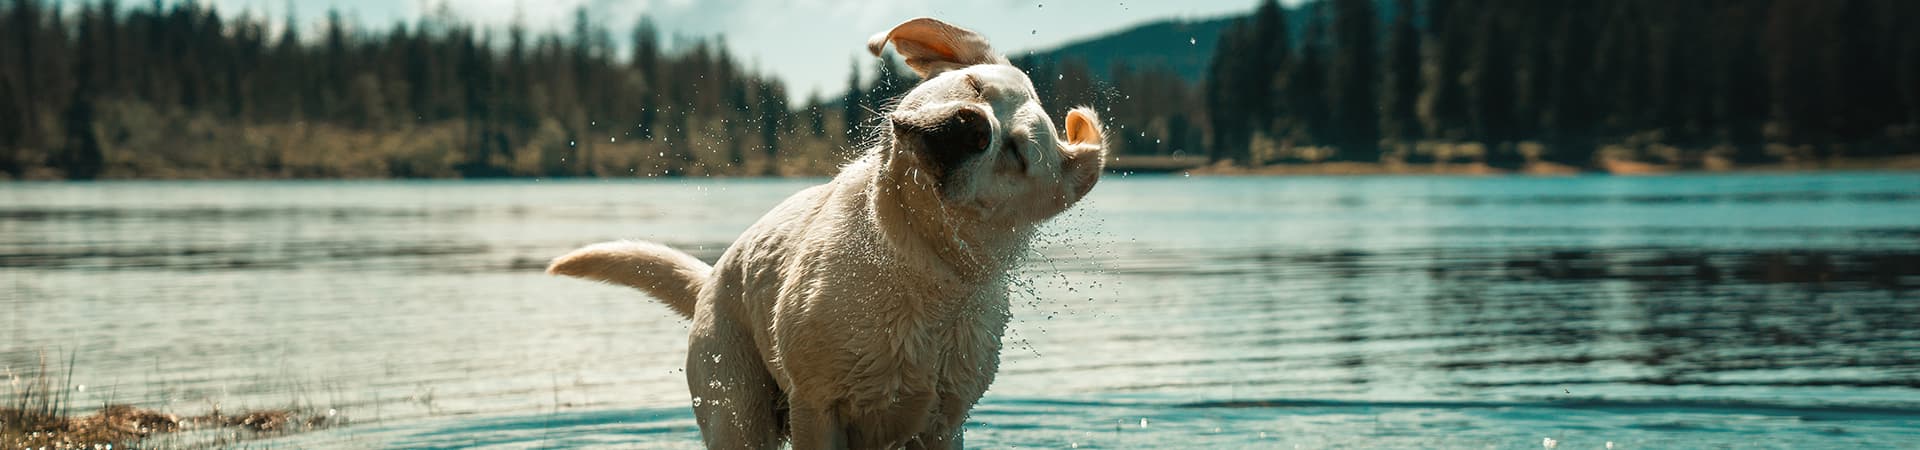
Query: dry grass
(37, 414)
(118, 425)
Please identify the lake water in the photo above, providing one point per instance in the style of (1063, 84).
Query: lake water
(1173, 312)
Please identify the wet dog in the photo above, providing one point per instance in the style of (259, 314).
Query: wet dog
(867, 312)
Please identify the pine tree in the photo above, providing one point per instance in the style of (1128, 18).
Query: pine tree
(816, 116)
(773, 120)
(852, 106)
(1355, 77)
(1490, 90)
(81, 158)
(1228, 108)
(1306, 80)
(1443, 104)
(1271, 46)
(1568, 115)
(1239, 90)
(1400, 120)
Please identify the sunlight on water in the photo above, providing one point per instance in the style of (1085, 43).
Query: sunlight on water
(1164, 311)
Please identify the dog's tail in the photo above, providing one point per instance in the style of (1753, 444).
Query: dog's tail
(670, 275)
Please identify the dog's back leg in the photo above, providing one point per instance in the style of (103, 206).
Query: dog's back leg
(735, 399)
(817, 427)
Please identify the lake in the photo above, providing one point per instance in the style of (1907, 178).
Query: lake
(1169, 312)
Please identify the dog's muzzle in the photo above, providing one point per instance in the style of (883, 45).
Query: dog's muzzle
(948, 136)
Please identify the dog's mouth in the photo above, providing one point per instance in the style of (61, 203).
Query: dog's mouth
(1013, 149)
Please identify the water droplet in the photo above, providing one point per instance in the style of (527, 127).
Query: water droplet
(1193, 41)
(1035, 32)
(1143, 422)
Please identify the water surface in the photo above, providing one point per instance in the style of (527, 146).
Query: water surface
(1669, 312)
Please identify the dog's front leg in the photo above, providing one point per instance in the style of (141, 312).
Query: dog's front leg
(815, 427)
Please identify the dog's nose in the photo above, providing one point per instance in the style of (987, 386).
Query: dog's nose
(948, 139)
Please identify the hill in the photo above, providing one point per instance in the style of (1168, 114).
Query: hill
(1182, 45)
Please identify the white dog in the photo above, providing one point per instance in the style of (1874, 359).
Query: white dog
(867, 312)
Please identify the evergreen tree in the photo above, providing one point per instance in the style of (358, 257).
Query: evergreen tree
(851, 106)
(1306, 80)
(1490, 90)
(1569, 114)
(1355, 77)
(1399, 118)
(773, 121)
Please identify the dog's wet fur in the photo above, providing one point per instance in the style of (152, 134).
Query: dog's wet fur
(867, 312)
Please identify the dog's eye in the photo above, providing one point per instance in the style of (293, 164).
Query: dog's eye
(1014, 149)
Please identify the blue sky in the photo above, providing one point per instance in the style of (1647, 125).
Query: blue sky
(807, 43)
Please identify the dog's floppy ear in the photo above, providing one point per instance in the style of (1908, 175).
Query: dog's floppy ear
(932, 46)
(1085, 149)
(1083, 127)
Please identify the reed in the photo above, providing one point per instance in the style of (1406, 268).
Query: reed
(39, 408)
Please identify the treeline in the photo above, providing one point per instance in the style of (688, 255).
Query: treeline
(177, 90)
(182, 91)
(1580, 83)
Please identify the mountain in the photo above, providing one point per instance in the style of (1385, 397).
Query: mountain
(1182, 45)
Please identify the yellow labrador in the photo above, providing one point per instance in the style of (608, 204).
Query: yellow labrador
(867, 312)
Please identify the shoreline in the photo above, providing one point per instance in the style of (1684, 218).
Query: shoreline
(1191, 166)
(1549, 169)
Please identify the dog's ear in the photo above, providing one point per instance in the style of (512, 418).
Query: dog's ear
(932, 46)
(1085, 149)
(1083, 127)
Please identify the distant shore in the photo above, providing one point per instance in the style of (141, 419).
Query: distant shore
(1197, 166)
(1185, 165)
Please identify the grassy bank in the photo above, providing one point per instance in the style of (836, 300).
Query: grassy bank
(40, 412)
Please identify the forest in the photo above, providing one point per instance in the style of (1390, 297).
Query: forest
(1579, 84)
(181, 90)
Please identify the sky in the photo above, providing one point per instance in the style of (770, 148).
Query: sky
(809, 44)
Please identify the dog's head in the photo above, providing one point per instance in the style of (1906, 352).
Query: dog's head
(974, 132)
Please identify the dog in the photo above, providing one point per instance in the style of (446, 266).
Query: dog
(867, 312)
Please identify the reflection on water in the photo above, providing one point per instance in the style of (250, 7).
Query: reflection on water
(1225, 312)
